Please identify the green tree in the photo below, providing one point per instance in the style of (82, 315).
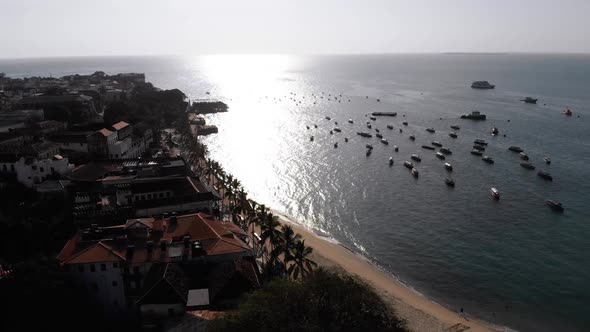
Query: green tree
(301, 265)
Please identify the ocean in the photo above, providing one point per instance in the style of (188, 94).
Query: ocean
(513, 262)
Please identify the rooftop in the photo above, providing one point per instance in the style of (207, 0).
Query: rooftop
(120, 125)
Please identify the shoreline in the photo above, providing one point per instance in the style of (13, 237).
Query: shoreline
(420, 312)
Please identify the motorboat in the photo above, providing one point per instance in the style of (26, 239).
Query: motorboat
(453, 134)
(389, 126)
(448, 167)
(567, 112)
(476, 152)
(545, 175)
(445, 150)
(527, 165)
(412, 137)
(440, 156)
(384, 113)
(435, 143)
(430, 130)
(547, 160)
(378, 135)
(350, 121)
(373, 118)
(328, 118)
(369, 152)
(480, 142)
(377, 130)
(337, 130)
(311, 138)
(405, 123)
(369, 125)
(456, 127)
(479, 147)
(408, 164)
(315, 126)
(415, 172)
(395, 148)
(401, 130)
(554, 205)
(488, 159)
(307, 127)
(475, 115)
(416, 157)
(523, 156)
(515, 149)
(482, 85)
(449, 182)
(428, 147)
(369, 146)
(390, 161)
(495, 193)
(336, 145)
(529, 100)
(384, 141)
(363, 134)
(494, 131)
(346, 139)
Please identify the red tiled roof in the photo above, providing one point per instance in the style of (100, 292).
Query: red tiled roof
(120, 125)
(105, 132)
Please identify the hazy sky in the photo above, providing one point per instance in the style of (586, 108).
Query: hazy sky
(35, 28)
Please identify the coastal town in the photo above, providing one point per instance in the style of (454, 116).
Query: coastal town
(107, 185)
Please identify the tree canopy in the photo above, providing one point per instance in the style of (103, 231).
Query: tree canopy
(325, 301)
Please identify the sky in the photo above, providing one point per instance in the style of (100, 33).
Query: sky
(39, 28)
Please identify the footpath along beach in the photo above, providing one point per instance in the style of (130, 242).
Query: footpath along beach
(420, 313)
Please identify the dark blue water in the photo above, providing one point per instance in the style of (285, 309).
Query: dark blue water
(514, 262)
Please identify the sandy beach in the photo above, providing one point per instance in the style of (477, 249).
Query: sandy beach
(420, 313)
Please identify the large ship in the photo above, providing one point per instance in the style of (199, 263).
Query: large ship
(482, 85)
(475, 115)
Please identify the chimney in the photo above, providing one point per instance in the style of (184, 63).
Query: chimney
(149, 245)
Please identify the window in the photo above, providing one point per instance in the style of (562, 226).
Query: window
(115, 265)
(81, 268)
(115, 284)
(92, 268)
(103, 267)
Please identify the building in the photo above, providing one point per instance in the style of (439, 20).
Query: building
(122, 142)
(161, 266)
(71, 141)
(99, 142)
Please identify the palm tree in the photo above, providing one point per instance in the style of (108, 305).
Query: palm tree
(272, 235)
(289, 239)
(301, 264)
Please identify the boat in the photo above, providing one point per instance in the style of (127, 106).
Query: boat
(515, 149)
(405, 123)
(307, 127)
(400, 130)
(378, 100)
(416, 157)
(449, 182)
(529, 100)
(336, 122)
(390, 161)
(554, 205)
(415, 172)
(453, 134)
(363, 134)
(412, 137)
(475, 115)
(495, 193)
(315, 126)
(547, 160)
(336, 145)
(567, 112)
(373, 118)
(369, 146)
(440, 156)
(384, 113)
(378, 135)
(368, 152)
(389, 126)
(527, 165)
(488, 159)
(480, 142)
(428, 147)
(369, 125)
(482, 85)
(408, 164)
(476, 152)
(346, 139)
(430, 130)
(436, 143)
(494, 131)
(350, 121)
(523, 156)
(328, 118)
(311, 138)
(445, 150)
(395, 148)
(331, 132)
(448, 167)
(456, 127)
(384, 141)
(545, 175)
(337, 130)
(377, 130)
(479, 147)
